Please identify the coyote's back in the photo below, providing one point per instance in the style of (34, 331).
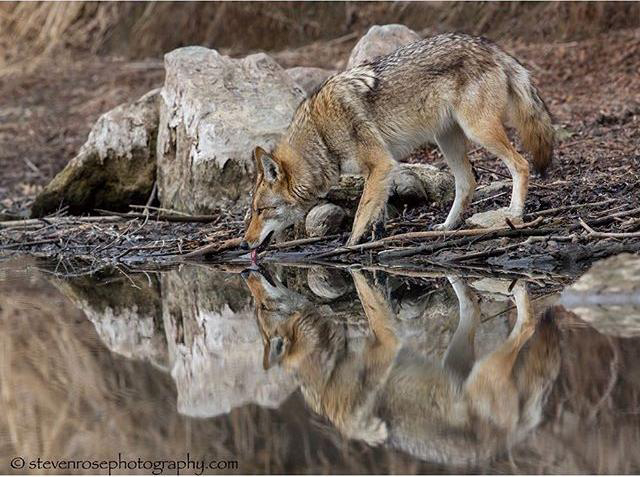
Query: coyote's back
(421, 89)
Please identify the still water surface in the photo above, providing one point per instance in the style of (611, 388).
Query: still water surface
(319, 370)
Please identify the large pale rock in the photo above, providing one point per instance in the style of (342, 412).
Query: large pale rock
(116, 167)
(608, 296)
(324, 219)
(308, 77)
(214, 111)
(381, 40)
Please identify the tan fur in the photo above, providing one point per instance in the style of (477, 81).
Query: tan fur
(444, 89)
(460, 411)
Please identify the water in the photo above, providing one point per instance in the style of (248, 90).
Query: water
(317, 370)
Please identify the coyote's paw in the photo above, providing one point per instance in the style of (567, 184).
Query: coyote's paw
(374, 432)
(353, 241)
(441, 227)
(519, 290)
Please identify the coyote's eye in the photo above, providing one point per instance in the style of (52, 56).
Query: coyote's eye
(264, 209)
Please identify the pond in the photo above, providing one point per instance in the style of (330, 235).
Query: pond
(308, 369)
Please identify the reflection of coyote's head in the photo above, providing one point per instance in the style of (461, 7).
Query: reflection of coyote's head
(292, 328)
(459, 411)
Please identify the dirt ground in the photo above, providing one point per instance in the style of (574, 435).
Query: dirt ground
(592, 88)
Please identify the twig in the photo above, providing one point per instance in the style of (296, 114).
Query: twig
(159, 209)
(29, 244)
(215, 248)
(228, 244)
(163, 217)
(303, 241)
(500, 250)
(58, 220)
(427, 249)
(610, 217)
(417, 235)
(569, 207)
(596, 234)
(152, 196)
(507, 176)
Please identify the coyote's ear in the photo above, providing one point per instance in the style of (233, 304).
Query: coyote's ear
(266, 164)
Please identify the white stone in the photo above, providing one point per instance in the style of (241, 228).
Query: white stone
(214, 111)
(381, 40)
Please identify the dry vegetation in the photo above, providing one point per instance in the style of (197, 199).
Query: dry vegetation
(138, 30)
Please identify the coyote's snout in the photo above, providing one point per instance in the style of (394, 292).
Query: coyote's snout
(444, 89)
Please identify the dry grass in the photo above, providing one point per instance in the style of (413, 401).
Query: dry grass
(135, 30)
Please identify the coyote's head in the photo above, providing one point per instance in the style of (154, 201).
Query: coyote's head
(277, 203)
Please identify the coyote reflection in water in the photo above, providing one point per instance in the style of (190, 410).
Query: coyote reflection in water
(459, 411)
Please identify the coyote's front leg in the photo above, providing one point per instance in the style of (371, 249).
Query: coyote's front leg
(379, 356)
(378, 312)
(375, 193)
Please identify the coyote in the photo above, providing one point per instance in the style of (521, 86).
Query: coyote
(458, 412)
(442, 89)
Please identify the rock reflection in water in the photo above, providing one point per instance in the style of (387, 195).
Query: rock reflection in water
(196, 324)
(412, 390)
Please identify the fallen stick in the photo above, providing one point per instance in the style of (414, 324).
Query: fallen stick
(58, 221)
(214, 248)
(610, 217)
(568, 207)
(429, 249)
(596, 234)
(500, 250)
(159, 209)
(29, 244)
(418, 235)
(507, 176)
(163, 217)
(302, 241)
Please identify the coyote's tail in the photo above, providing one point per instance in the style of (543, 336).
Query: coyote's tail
(530, 117)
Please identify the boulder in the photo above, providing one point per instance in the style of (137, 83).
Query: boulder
(309, 78)
(324, 219)
(379, 41)
(116, 167)
(608, 296)
(214, 111)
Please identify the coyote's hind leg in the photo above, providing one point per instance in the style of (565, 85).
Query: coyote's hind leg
(453, 145)
(490, 386)
(491, 135)
(460, 354)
